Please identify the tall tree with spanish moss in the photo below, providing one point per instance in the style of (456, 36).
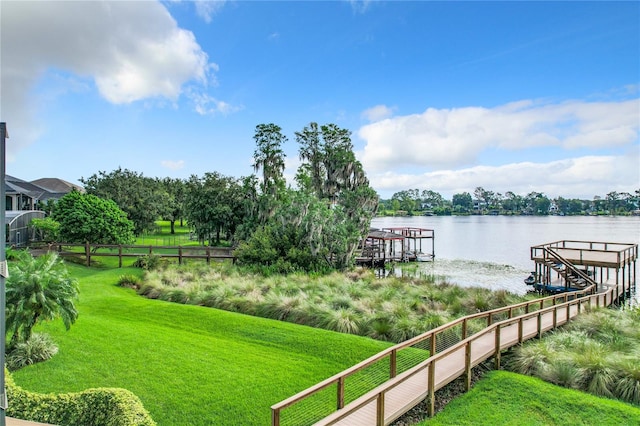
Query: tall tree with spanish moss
(269, 158)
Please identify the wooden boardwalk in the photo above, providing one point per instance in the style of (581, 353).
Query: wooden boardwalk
(505, 328)
(411, 387)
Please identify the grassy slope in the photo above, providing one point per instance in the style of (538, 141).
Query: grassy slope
(503, 398)
(188, 364)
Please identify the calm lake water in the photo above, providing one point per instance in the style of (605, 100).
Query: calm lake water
(493, 251)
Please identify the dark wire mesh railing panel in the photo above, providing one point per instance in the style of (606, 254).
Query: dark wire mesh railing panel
(365, 380)
(311, 409)
(413, 355)
(448, 338)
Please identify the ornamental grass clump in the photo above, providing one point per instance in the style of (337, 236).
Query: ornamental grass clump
(391, 309)
(40, 347)
(598, 352)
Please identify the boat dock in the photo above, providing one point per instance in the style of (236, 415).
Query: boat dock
(574, 265)
(402, 244)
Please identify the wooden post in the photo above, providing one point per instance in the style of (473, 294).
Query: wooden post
(380, 410)
(340, 403)
(431, 409)
(555, 318)
(464, 328)
(275, 417)
(539, 325)
(520, 327)
(393, 364)
(467, 364)
(87, 253)
(497, 354)
(119, 255)
(208, 255)
(179, 255)
(433, 345)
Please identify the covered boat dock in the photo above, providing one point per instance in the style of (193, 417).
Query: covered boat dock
(402, 244)
(572, 265)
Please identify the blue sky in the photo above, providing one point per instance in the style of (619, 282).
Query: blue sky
(447, 96)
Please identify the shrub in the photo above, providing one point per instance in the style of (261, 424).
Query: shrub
(148, 262)
(130, 281)
(38, 348)
(95, 407)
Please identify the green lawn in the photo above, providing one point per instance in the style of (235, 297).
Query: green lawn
(503, 398)
(189, 365)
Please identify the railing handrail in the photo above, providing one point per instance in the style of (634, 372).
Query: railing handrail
(570, 267)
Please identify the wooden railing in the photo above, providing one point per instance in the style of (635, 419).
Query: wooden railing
(621, 252)
(569, 269)
(122, 251)
(438, 343)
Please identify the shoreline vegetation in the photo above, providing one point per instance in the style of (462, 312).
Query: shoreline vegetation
(412, 202)
(392, 309)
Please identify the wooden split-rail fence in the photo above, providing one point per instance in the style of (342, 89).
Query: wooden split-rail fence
(122, 251)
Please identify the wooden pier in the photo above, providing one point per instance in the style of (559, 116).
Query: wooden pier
(570, 265)
(402, 244)
(450, 351)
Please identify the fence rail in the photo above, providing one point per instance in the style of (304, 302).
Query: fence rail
(121, 251)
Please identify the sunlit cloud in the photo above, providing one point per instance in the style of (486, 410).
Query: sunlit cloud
(173, 164)
(446, 138)
(582, 177)
(103, 43)
(377, 113)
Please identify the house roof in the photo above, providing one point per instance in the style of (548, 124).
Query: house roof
(56, 185)
(40, 189)
(14, 185)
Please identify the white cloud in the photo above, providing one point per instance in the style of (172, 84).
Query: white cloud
(173, 165)
(359, 6)
(445, 138)
(207, 8)
(581, 177)
(377, 113)
(205, 104)
(131, 50)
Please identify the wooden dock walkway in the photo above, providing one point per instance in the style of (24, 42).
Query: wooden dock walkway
(503, 329)
(411, 387)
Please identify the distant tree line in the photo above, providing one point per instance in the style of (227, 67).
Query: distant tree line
(414, 201)
(315, 226)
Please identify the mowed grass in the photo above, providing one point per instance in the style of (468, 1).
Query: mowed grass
(189, 365)
(504, 398)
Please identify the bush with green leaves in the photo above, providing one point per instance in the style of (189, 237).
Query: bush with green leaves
(148, 262)
(47, 228)
(38, 348)
(95, 407)
(86, 218)
(129, 280)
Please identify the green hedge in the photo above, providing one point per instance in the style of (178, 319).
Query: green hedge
(96, 407)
